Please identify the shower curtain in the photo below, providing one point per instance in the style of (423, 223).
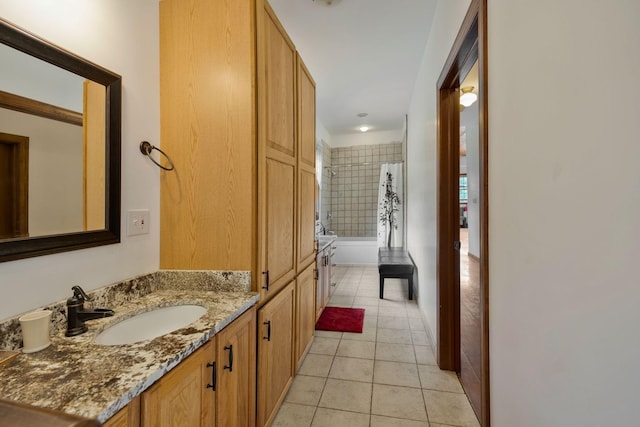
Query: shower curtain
(395, 169)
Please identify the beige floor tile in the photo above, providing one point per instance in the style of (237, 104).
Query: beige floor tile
(394, 336)
(359, 349)
(393, 322)
(395, 373)
(420, 338)
(316, 365)
(348, 291)
(398, 402)
(395, 352)
(341, 301)
(346, 395)
(305, 390)
(292, 415)
(348, 368)
(328, 334)
(433, 378)
(322, 345)
(449, 408)
(370, 322)
(333, 418)
(394, 303)
(369, 310)
(415, 324)
(379, 421)
(366, 292)
(425, 355)
(368, 334)
(413, 310)
(372, 301)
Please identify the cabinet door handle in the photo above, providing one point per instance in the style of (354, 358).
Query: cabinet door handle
(268, 337)
(213, 376)
(266, 280)
(230, 365)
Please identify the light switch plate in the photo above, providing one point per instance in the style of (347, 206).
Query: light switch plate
(137, 222)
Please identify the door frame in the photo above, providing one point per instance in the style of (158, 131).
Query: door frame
(470, 45)
(19, 146)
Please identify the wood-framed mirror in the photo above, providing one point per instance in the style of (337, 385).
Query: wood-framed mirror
(60, 145)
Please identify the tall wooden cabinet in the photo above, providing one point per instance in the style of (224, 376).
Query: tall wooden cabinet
(238, 120)
(277, 153)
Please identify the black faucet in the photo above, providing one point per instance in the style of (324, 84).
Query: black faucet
(77, 315)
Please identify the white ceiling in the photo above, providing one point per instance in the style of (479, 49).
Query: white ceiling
(363, 54)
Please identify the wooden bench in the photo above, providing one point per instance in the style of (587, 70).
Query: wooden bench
(395, 263)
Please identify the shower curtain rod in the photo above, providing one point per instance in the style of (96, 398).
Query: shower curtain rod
(363, 164)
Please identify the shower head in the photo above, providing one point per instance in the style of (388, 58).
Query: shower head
(333, 173)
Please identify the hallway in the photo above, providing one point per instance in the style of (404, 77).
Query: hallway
(386, 376)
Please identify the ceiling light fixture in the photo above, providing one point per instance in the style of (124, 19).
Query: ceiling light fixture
(467, 97)
(364, 128)
(363, 114)
(326, 2)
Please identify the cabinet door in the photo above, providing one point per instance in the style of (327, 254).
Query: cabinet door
(182, 397)
(319, 285)
(208, 127)
(236, 366)
(306, 119)
(280, 227)
(280, 81)
(129, 416)
(305, 312)
(275, 353)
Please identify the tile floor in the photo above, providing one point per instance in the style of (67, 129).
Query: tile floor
(386, 376)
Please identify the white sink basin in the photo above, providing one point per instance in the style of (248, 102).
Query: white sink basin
(150, 324)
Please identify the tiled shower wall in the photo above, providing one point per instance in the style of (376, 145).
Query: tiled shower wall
(353, 202)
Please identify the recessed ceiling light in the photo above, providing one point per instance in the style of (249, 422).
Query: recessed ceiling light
(364, 128)
(326, 2)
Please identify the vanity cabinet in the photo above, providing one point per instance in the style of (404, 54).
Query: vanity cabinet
(305, 313)
(214, 386)
(129, 416)
(236, 365)
(185, 396)
(325, 286)
(275, 352)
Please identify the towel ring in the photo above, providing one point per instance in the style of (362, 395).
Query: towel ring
(146, 148)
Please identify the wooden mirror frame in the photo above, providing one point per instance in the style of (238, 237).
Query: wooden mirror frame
(19, 248)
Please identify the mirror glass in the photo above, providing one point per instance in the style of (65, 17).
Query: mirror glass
(59, 149)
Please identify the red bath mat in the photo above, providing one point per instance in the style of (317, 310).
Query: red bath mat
(341, 319)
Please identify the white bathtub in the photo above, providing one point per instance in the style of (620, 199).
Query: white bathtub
(356, 250)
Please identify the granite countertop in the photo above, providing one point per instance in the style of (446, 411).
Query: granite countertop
(77, 376)
(325, 240)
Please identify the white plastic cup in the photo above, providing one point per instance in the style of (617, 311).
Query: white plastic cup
(36, 330)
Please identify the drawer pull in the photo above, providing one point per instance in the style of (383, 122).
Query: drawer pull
(230, 365)
(213, 376)
(266, 280)
(268, 337)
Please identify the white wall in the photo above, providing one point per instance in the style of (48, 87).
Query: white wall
(55, 171)
(421, 154)
(122, 36)
(366, 138)
(564, 212)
